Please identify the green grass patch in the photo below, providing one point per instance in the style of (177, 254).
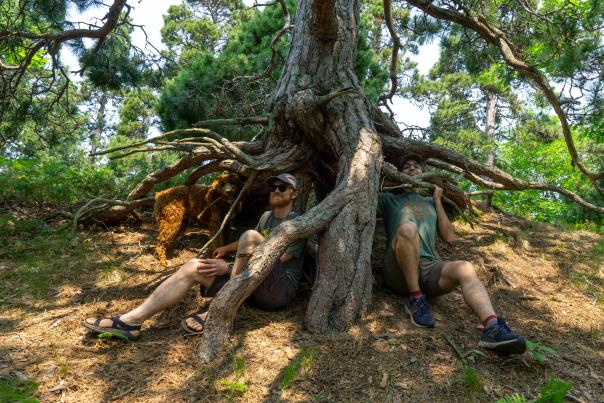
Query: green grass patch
(471, 380)
(299, 366)
(12, 390)
(235, 386)
(37, 257)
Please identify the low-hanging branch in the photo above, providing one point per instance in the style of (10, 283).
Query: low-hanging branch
(251, 120)
(518, 185)
(498, 38)
(214, 166)
(98, 204)
(198, 133)
(470, 168)
(419, 181)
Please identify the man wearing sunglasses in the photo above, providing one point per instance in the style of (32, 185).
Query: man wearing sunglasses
(274, 293)
(413, 269)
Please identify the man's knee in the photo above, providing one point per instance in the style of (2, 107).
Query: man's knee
(251, 237)
(189, 269)
(464, 271)
(407, 231)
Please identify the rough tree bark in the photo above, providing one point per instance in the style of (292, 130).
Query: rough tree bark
(339, 131)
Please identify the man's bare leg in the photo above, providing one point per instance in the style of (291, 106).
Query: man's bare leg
(168, 293)
(461, 272)
(247, 242)
(246, 245)
(406, 252)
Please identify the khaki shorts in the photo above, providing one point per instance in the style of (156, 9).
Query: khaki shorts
(429, 275)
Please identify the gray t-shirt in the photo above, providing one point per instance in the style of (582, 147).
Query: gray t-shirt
(293, 267)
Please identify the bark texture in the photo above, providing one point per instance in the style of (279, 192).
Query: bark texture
(319, 109)
(319, 67)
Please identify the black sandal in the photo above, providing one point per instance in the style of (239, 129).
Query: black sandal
(190, 330)
(117, 328)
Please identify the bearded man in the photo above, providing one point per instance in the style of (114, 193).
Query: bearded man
(414, 270)
(275, 292)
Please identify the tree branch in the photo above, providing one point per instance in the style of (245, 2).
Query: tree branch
(517, 185)
(498, 38)
(252, 120)
(396, 45)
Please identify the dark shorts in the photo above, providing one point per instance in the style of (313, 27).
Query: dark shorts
(429, 274)
(274, 293)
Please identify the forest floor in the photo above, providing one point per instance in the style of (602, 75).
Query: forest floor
(548, 283)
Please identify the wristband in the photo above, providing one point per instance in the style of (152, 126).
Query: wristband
(230, 267)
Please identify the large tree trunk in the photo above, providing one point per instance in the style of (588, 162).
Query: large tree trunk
(308, 109)
(321, 62)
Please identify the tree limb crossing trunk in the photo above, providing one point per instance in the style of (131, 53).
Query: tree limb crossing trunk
(320, 62)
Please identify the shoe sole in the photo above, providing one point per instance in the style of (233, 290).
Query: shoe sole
(507, 347)
(117, 332)
(414, 322)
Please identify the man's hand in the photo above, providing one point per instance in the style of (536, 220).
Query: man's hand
(220, 252)
(212, 267)
(438, 193)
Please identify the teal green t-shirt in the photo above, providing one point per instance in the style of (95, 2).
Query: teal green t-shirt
(410, 206)
(293, 267)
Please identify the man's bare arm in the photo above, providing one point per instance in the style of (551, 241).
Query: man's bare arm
(446, 230)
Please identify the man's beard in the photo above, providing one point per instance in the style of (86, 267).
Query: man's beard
(279, 202)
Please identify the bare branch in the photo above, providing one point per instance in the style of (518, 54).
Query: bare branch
(253, 120)
(214, 166)
(396, 45)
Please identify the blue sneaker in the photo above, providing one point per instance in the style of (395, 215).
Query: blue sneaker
(500, 338)
(419, 312)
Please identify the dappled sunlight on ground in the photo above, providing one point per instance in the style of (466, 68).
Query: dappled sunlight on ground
(547, 283)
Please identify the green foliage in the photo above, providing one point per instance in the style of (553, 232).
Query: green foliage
(515, 398)
(33, 180)
(233, 387)
(471, 380)
(538, 350)
(198, 92)
(299, 366)
(12, 390)
(534, 160)
(114, 65)
(109, 336)
(236, 386)
(137, 114)
(554, 391)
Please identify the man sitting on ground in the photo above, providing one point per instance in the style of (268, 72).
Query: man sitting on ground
(413, 268)
(275, 292)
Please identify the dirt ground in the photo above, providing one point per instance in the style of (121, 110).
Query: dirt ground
(548, 284)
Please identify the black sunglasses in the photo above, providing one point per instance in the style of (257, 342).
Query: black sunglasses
(282, 187)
